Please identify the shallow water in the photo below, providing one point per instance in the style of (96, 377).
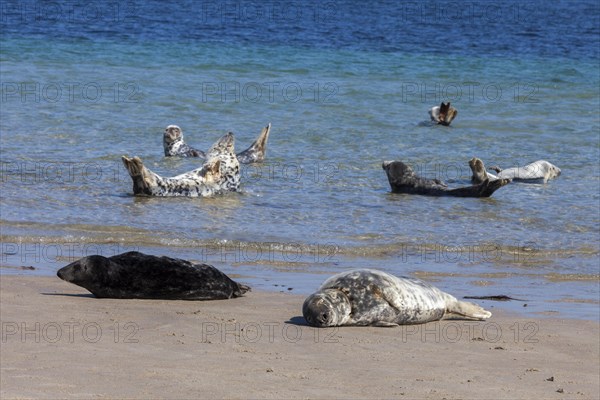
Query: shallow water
(344, 90)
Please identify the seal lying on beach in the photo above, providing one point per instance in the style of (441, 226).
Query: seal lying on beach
(403, 179)
(174, 145)
(538, 171)
(443, 114)
(219, 174)
(371, 297)
(136, 275)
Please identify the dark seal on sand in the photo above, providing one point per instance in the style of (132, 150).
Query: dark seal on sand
(135, 275)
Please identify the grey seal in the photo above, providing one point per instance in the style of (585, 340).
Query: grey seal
(219, 174)
(175, 145)
(443, 114)
(538, 171)
(135, 275)
(371, 297)
(403, 179)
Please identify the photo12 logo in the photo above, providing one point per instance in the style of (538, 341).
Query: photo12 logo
(269, 252)
(471, 92)
(486, 12)
(69, 92)
(66, 12)
(517, 252)
(252, 12)
(35, 253)
(311, 174)
(266, 332)
(269, 92)
(68, 332)
(59, 172)
(455, 331)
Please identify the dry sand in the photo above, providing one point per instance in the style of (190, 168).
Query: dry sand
(60, 342)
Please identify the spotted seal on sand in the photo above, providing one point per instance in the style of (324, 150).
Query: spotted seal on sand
(174, 145)
(537, 171)
(403, 179)
(136, 275)
(219, 174)
(443, 114)
(371, 297)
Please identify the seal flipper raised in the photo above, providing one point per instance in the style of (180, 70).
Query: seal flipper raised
(143, 179)
(257, 151)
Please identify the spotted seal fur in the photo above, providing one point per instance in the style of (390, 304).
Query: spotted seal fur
(537, 171)
(174, 145)
(443, 114)
(135, 275)
(403, 179)
(219, 174)
(371, 297)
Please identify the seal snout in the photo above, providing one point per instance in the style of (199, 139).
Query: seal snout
(317, 312)
(67, 273)
(318, 315)
(328, 307)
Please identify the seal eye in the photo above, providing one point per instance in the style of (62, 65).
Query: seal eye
(324, 317)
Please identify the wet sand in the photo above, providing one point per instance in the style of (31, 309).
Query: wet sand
(58, 341)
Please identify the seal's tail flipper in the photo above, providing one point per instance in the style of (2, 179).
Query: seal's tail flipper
(451, 114)
(465, 310)
(256, 152)
(488, 187)
(143, 178)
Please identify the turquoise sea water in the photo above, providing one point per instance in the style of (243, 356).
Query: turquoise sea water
(345, 87)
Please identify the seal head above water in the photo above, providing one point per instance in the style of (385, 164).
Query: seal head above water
(371, 297)
(174, 145)
(443, 114)
(135, 275)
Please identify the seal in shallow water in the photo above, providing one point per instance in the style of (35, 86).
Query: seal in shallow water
(403, 179)
(443, 114)
(537, 171)
(136, 275)
(371, 297)
(174, 145)
(219, 174)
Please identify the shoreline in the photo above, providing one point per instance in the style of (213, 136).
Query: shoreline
(58, 341)
(572, 299)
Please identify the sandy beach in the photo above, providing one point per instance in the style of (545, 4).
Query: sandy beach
(58, 341)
